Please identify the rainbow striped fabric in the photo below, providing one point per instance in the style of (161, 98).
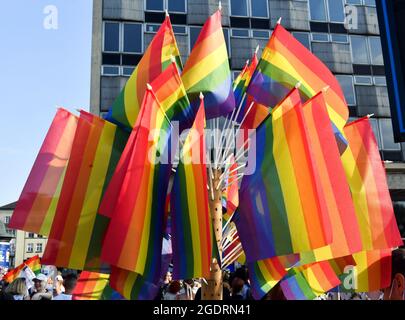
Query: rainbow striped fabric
(231, 192)
(33, 263)
(345, 229)
(282, 208)
(36, 206)
(133, 240)
(241, 83)
(284, 62)
(190, 216)
(90, 286)
(155, 60)
(96, 148)
(265, 274)
(368, 183)
(207, 70)
(309, 281)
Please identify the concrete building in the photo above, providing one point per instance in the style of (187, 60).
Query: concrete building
(24, 245)
(342, 33)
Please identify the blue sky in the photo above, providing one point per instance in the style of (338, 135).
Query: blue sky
(39, 69)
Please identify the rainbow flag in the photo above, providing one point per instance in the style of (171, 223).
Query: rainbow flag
(345, 229)
(155, 60)
(33, 263)
(90, 286)
(36, 206)
(231, 193)
(265, 274)
(371, 271)
(190, 215)
(284, 62)
(133, 240)
(282, 208)
(241, 83)
(96, 149)
(207, 70)
(367, 179)
(309, 281)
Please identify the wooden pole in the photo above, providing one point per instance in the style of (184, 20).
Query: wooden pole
(212, 290)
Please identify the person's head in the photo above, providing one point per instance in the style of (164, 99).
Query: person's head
(276, 293)
(69, 283)
(17, 287)
(40, 282)
(174, 287)
(242, 273)
(237, 285)
(168, 277)
(397, 289)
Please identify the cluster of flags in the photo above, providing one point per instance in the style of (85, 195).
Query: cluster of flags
(107, 191)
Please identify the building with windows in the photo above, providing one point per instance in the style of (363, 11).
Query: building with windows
(23, 245)
(344, 34)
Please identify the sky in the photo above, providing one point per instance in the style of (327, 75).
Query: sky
(45, 56)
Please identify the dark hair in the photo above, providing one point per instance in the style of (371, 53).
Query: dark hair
(69, 282)
(398, 262)
(242, 273)
(237, 285)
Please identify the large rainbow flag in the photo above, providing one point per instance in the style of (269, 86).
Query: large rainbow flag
(155, 60)
(36, 206)
(96, 149)
(33, 263)
(133, 240)
(284, 62)
(190, 215)
(368, 184)
(282, 208)
(207, 70)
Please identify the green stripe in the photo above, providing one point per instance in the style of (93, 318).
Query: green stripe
(118, 109)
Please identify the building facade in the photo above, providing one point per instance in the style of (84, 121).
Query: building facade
(23, 245)
(344, 34)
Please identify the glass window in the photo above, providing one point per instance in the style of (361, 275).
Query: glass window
(317, 10)
(336, 11)
(152, 27)
(133, 37)
(111, 36)
(240, 33)
(259, 8)
(264, 34)
(370, 3)
(180, 29)
(127, 71)
(387, 135)
(353, 2)
(303, 37)
(194, 32)
(30, 247)
(39, 236)
(363, 80)
(38, 247)
(177, 6)
(376, 131)
(239, 8)
(226, 35)
(346, 82)
(359, 50)
(380, 81)
(235, 74)
(320, 37)
(376, 51)
(6, 220)
(156, 5)
(340, 38)
(31, 235)
(111, 71)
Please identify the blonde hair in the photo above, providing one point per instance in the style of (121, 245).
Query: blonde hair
(17, 287)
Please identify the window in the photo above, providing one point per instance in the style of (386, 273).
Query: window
(303, 37)
(127, 71)
(228, 46)
(111, 37)
(336, 11)
(380, 81)
(110, 71)
(363, 80)
(240, 33)
(6, 220)
(261, 34)
(39, 236)
(346, 82)
(250, 8)
(194, 32)
(387, 135)
(31, 235)
(376, 131)
(154, 5)
(327, 10)
(38, 248)
(355, 2)
(376, 51)
(133, 38)
(151, 27)
(235, 74)
(317, 9)
(176, 6)
(320, 37)
(359, 50)
(370, 3)
(339, 38)
(180, 29)
(30, 247)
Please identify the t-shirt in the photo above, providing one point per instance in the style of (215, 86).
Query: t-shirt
(63, 296)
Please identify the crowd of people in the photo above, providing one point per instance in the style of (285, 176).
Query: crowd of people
(236, 286)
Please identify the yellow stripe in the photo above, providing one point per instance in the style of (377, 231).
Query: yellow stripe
(168, 51)
(131, 98)
(288, 181)
(361, 271)
(93, 196)
(359, 197)
(271, 282)
(204, 67)
(313, 281)
(129, 284)
(173, 98)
